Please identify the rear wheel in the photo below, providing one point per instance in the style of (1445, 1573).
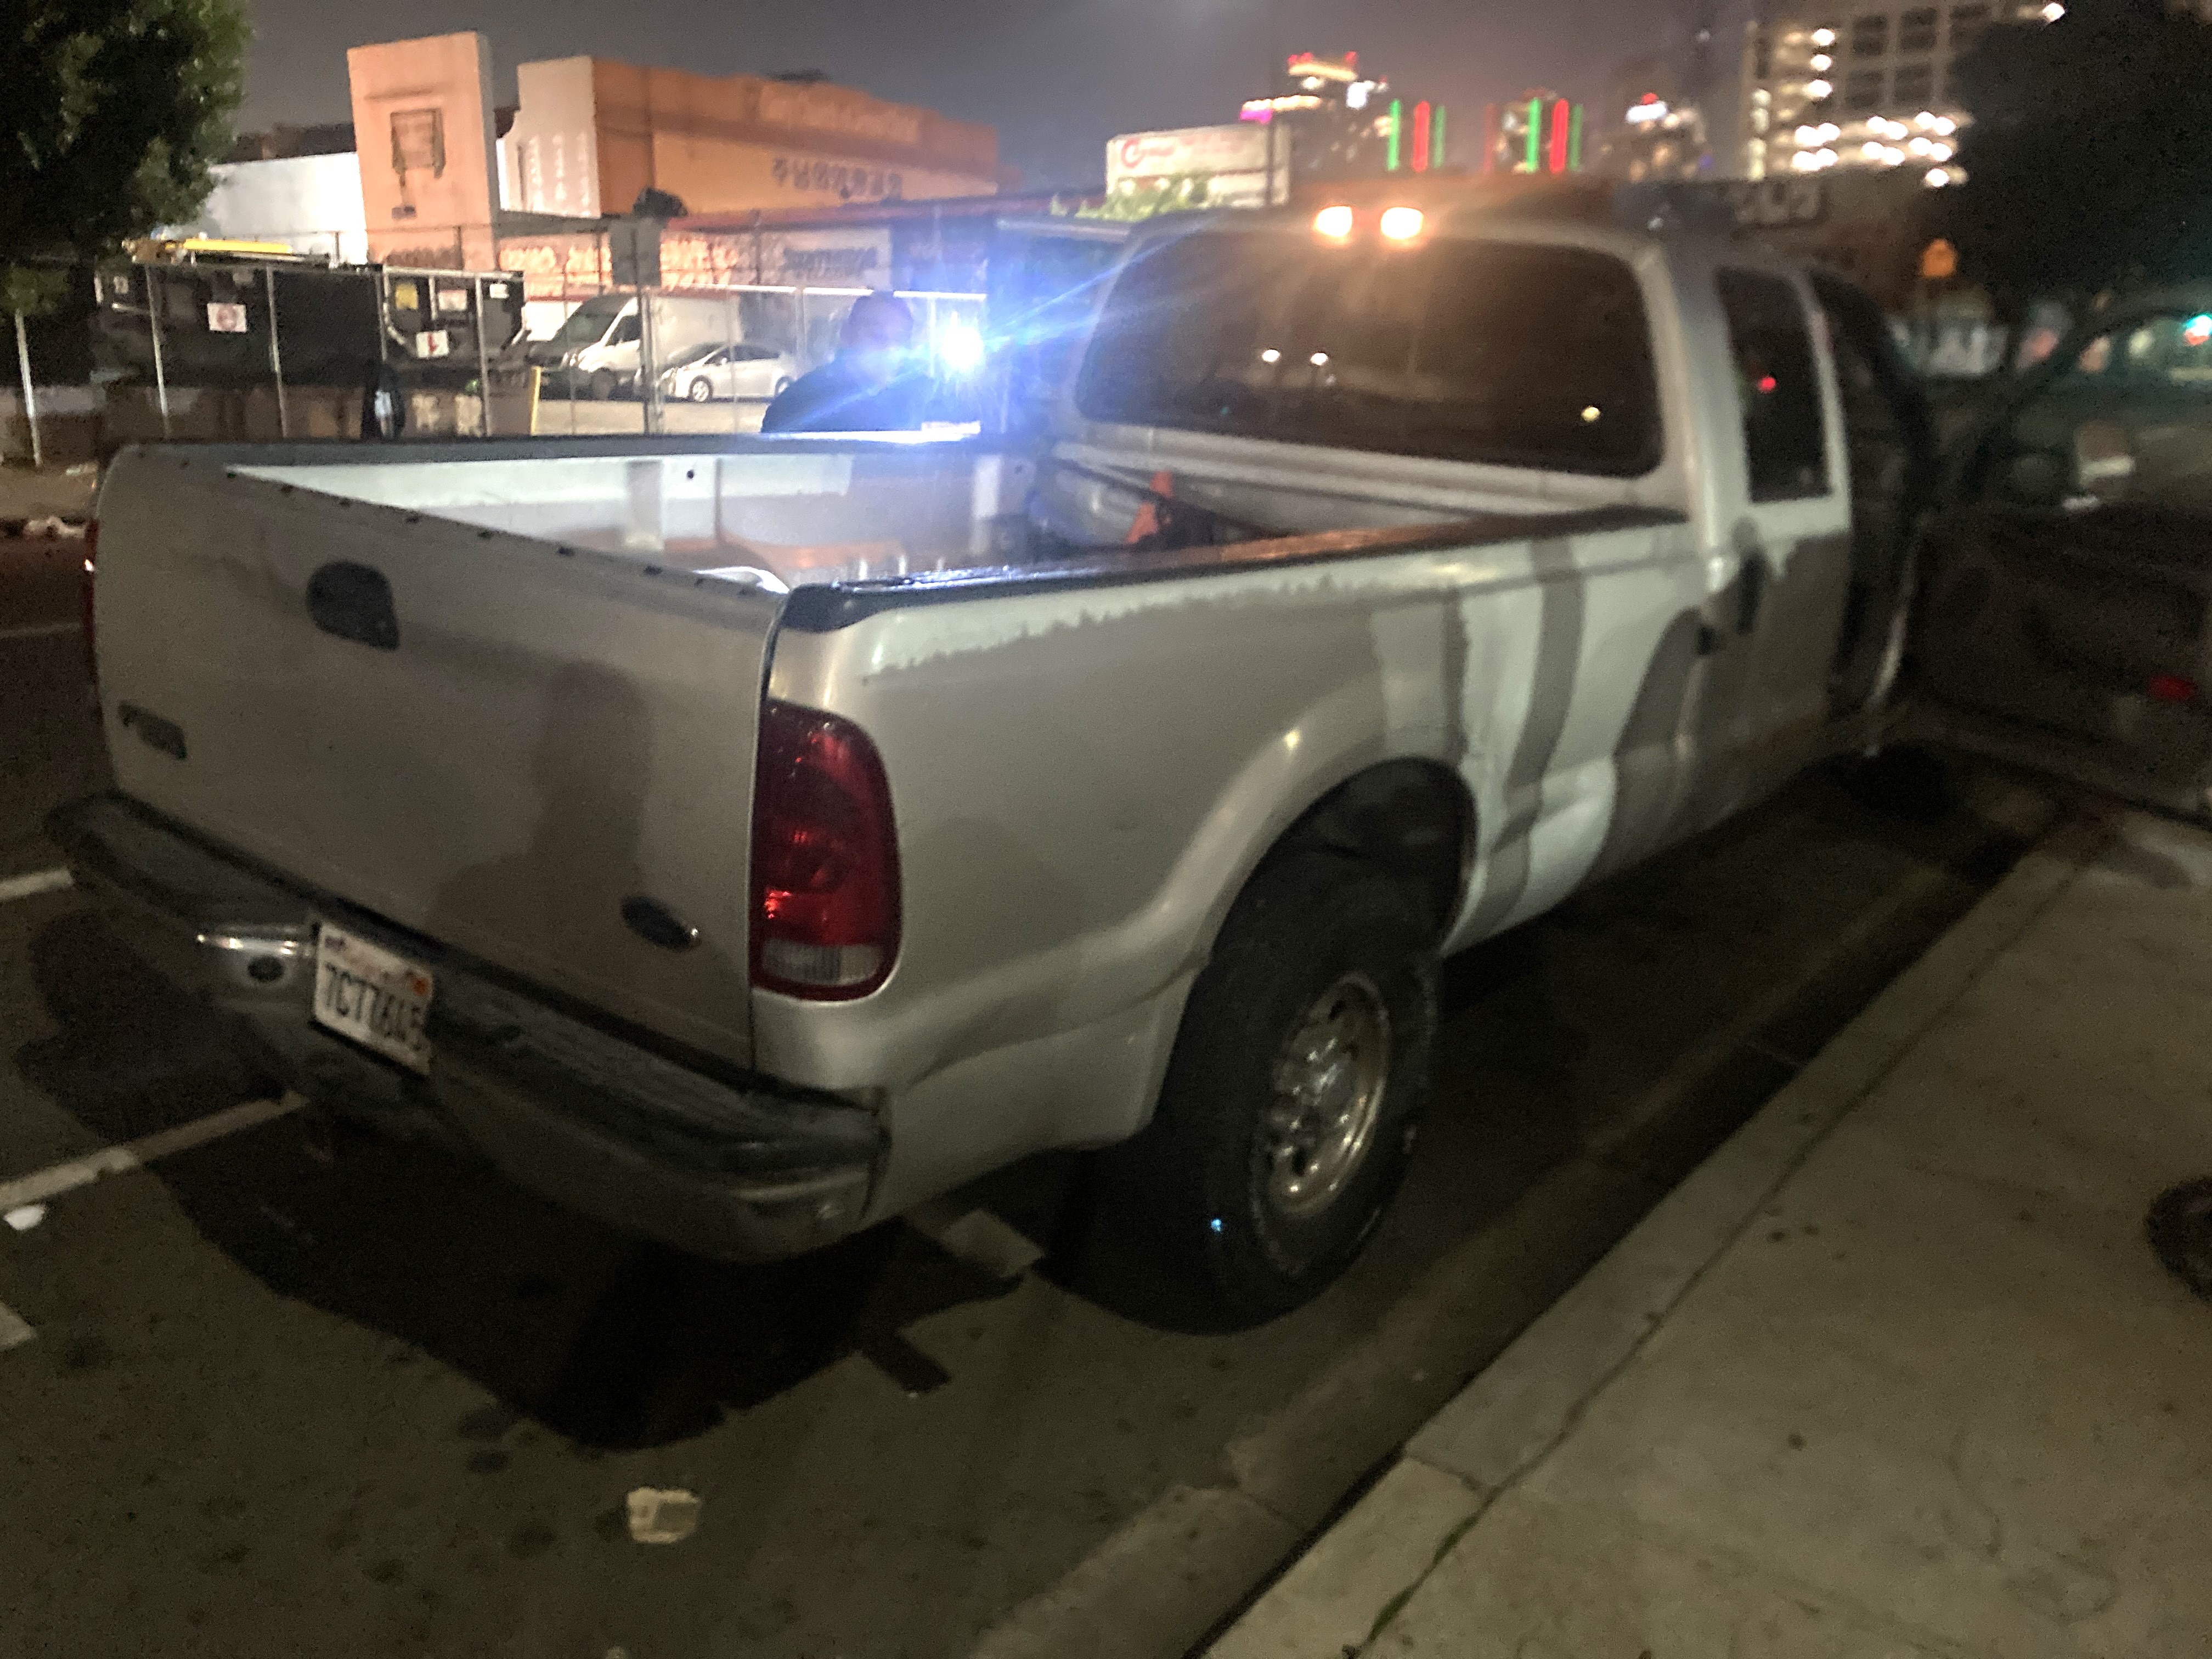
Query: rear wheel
(1287, 1117)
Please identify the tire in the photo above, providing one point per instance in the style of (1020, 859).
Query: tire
(700, 392)
(603, 385)
(1248, 1194)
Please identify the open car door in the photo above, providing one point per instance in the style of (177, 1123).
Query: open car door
(2065, 621)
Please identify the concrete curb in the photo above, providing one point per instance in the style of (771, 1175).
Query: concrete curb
(1338, 1597)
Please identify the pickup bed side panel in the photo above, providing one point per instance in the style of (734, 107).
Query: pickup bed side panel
(1083, 779)
(543, 734)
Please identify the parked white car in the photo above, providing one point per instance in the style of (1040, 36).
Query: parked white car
(719, 374)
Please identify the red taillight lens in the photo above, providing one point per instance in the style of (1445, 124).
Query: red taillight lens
(91, 558)
(2171, 688)
(825, 921)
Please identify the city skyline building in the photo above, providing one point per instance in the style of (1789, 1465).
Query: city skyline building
(1867, 85)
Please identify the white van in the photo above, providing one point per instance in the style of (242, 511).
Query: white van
(597, 350)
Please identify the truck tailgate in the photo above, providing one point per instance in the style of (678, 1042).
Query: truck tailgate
(492, 740)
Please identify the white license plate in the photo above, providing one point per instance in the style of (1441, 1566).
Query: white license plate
(380, 1001)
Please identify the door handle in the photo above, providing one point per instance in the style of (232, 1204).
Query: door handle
(353, 602)
(1750, 591)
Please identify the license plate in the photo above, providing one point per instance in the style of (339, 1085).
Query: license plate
(382, 1002)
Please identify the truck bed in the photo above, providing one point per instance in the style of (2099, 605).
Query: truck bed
(496, 695)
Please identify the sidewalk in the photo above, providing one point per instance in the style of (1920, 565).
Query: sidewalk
(1893, 1374)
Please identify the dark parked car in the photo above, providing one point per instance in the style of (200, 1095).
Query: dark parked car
(2065, 620)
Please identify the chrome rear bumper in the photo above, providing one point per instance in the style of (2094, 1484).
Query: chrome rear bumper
(730, 1166)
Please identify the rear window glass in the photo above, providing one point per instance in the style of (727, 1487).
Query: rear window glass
(1511, 354)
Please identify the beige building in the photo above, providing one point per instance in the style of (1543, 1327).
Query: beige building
(590, 134)
(423, 134)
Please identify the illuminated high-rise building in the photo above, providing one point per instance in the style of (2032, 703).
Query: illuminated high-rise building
(1866, 84)
(1540, 131)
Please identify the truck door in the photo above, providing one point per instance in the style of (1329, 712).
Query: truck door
(2064, 618)
(1895, 469)
(1791, 545)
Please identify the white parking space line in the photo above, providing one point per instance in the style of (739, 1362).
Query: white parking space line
(38, 881)
(41, 631)
(58, 1178)
(15, 1329)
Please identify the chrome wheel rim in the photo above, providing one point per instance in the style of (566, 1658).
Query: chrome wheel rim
(1329, 1078)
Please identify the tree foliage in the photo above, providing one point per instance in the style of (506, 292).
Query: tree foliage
(111, 112)
(1186, 192)
(2089, 161)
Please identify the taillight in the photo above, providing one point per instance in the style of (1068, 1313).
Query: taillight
(825, 918)
(2171, 688)
(91, 558)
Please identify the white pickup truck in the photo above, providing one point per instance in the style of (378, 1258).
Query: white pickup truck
(744, 840)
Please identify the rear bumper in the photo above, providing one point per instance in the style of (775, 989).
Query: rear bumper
(741, 1169)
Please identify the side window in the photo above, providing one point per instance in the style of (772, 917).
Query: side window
(2128, 420)
(625, 330)
(1778, 385)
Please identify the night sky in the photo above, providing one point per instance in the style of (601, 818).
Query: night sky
(1055, 80)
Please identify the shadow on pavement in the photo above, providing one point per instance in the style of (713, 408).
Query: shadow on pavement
(134, 1054)
(617, 1343)
(611, 1341)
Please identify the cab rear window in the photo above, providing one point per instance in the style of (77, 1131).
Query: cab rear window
(1512, 353)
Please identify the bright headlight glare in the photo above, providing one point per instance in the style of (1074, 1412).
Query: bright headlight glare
(1401, 224)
